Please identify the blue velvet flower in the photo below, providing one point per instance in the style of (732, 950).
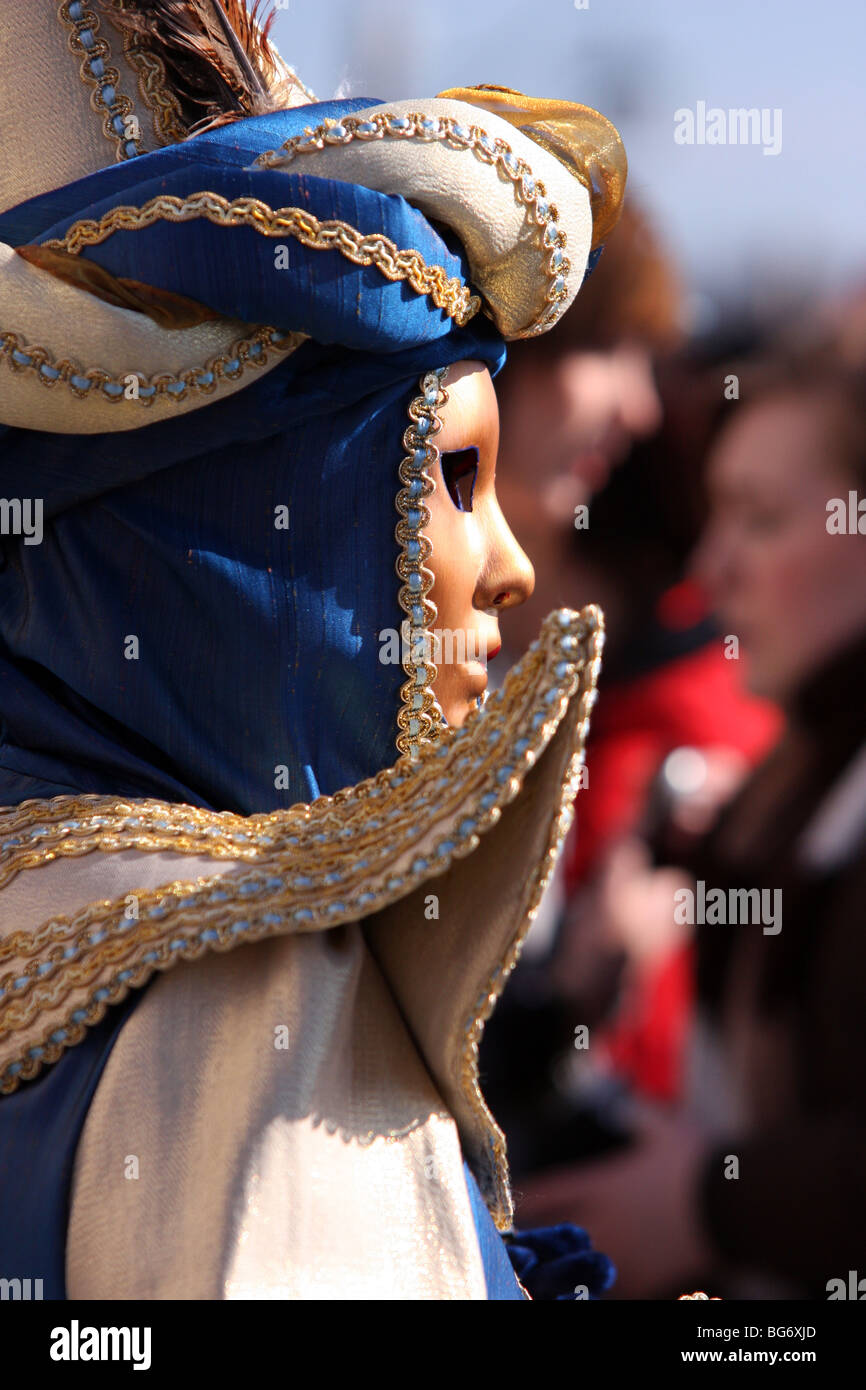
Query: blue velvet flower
(558, 1262)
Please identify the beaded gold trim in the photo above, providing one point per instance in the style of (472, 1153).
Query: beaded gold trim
(446, 292)
(420, 719)
(97, 73)
(158, 97)
(252, 351)
(336, 860)
(494, 1184)
(495, 152)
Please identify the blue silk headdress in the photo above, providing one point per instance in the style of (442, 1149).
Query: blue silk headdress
(202, 620)
(168, 637)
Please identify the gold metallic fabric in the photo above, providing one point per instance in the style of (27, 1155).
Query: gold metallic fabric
(578, 136)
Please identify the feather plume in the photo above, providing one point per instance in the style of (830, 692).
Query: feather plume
(217, 56)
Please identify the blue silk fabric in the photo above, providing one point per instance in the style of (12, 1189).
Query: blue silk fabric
(258, 647)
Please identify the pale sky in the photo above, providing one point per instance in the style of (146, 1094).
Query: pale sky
(744, 224)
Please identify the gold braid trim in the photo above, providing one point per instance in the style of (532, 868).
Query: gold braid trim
(446, 292)
(336, 860)
(87, 44)
(495, 1185)
(252, 351)
(158, 97)
(419, 719)
(496, 153)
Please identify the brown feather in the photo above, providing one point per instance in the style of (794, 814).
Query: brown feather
(217, 55)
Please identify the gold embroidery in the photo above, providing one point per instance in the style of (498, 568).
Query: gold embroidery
(495, 152)
(252, 351)
(158, 97)
(419, 718)
(498, 1195)
(87, 44)
(375, 249)
(403, 826)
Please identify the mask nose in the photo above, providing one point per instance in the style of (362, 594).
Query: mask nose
(509, 578)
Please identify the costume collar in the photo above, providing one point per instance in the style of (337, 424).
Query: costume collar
(478, 819)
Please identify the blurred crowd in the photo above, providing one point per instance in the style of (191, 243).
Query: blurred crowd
(689, 1083)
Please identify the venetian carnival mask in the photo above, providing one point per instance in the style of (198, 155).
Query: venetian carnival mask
(290, 578)
(245, 339)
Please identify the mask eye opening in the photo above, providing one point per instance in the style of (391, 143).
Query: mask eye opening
(460, 470)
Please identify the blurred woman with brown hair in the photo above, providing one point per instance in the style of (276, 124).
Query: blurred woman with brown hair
(756, 1187)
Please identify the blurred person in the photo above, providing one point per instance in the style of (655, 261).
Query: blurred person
(568, 419)
(573, 402)
(675, 716)
(667, 688)
(778, 1054)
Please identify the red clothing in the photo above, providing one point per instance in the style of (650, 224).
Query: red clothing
(695, 701)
